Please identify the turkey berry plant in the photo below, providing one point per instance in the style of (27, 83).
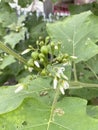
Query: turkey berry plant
(55, 69)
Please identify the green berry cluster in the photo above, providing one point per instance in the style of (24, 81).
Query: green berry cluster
(46, 53)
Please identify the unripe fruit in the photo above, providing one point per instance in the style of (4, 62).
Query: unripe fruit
(34, 55)
(64, 60)
(41, 55)
(66, 55)
(47, 40)
(44, 50)
(37, 42)
(41, 43)
(59, 59)
(40, 38)
(42, 60)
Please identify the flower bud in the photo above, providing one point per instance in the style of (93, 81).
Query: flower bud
(62, 90)
(65, 84)
(64, 76)
(25, 51)
(56, 47)
(42, 60)
(36, 64)
(55, 81)
(73, 57)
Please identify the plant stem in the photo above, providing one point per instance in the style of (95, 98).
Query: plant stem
(76, 84)
(74, 71)
(11, 52)
(53, 107)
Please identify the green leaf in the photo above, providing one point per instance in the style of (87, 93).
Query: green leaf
(92, 111)
(78, 34)
(68, 114)
(87, 71)
(32, 88)
(7, 14)
(93, 63)
(2, 31)
(36, 27)
(15, 37)
(37, 31)
(95, 7)
(7, 60)
(86, 93)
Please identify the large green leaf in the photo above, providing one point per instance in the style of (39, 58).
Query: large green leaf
(78, 34)
(68, 114)
(32, 88)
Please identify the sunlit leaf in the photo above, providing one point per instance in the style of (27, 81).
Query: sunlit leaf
(32, 88)
(68, 114)
(78, 34)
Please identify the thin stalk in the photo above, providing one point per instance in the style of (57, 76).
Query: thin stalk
(53, 107)
(74, 72)
(74, 84)
(11, 52)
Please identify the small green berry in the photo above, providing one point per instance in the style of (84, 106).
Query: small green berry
(42, 60)
(44, 50)
(34, 55)
(41, 43)
(41, 55)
